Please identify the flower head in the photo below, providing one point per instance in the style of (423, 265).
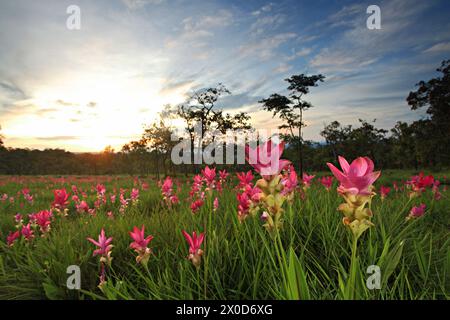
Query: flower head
(357, 177)
(12, 237)
(61, 197)
(265, 159)
(104, 247)
(327, 182)
(140, 244)
(384, 191)
(195, 243)
(416, 212)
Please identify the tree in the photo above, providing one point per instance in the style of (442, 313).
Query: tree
(435, 95)
(1, 140)
(290, 109)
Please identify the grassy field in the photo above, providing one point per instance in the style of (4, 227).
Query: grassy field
(309, 258)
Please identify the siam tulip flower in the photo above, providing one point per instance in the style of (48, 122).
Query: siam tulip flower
(437, 194)
(174, 199)
(265, 159)
(104, 247)
(167, 192)
(27, 233)
(216, 204)
(248, 202)
(196, 205)
(306, 180)
(209, 175)
(245, 179)
(243, 205)
(140, 244)
(110, 215)
(82, 207)
(355, 187)
(104, 251)
(384, 191)
(134, 195)
(195, 243)
(196, 186)
(43, 220)
(4, 197)
(223, 175)
(61, 197)
(12, 237)
(167, 186)
(18, 218)
(419, 183)
(356, 178)
(145, 186)
(75, 198)
(101, 190)
(113, 198)
(289, 181)
(327, 182)
(416, 212)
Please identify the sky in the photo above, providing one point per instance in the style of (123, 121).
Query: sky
(82, 90)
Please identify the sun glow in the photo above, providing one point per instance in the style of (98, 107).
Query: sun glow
(89, 112)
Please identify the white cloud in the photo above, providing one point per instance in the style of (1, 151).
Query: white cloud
(136, 4)
(439, 47)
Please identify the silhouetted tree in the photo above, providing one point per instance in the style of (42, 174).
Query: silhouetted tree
(290, 109)
(435, 95)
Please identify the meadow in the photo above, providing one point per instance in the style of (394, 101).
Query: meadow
(310, 254)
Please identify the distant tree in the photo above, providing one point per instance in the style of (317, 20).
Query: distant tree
(435, 95)
(1, 139)
(290, 109)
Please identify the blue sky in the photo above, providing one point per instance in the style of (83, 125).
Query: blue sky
(88, 88)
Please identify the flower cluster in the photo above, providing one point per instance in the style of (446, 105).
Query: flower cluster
(356, 188)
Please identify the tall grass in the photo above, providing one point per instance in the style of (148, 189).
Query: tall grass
(311, 257)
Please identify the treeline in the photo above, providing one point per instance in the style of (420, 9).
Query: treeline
(424, 143)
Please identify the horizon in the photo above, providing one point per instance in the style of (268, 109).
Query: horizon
(83, 90)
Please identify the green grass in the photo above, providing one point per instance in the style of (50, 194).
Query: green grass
(310, 259)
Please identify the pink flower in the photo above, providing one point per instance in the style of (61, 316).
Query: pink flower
(209, 175)
(216, 204)
(384, 191)
(166, 187)
(419, 183)
(110, 215)
(196, 205)
(61, 197)
(140, 242)
(243, 204)
(18, 218)
(82, 207)
(43, 220)
(27, 233)
(195, 243)
(12, 237)
(327, 182)
(289, 181)
(223, 175)
(245, 179)
(113, 198)
(307, 179)
(357, 177)
(134, 194)
(103, 244)
(101, 190)
(417, 212)
(265, 159)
